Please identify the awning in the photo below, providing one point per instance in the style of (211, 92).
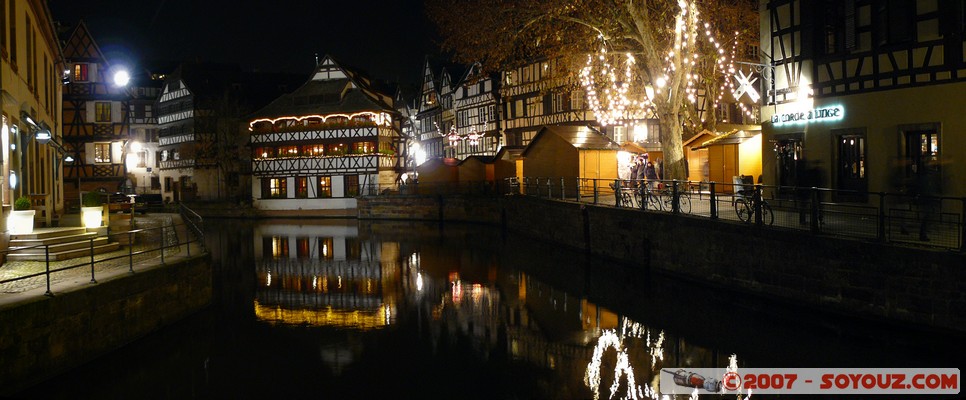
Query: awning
(733, 137)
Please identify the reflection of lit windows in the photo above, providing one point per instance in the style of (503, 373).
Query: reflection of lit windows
(353, 248)
(325, 248)
(275, 247)
(102, 152)
(325, 186)
(302, 247)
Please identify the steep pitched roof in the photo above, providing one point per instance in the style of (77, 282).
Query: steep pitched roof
(331, 89)
(581, 137)
(80, 45)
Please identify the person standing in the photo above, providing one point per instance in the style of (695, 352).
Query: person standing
(650, 173)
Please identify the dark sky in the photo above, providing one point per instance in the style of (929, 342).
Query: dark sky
(388, 39)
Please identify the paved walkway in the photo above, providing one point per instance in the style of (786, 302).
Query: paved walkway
(76, 272)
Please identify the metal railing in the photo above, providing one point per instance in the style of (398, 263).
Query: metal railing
(142, 244)
(193, 221)
(931, 221)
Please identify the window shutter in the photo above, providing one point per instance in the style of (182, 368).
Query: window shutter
(89, 153)
(116, 152)
(849, 7)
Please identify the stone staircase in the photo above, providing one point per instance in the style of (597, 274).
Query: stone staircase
(65, 243)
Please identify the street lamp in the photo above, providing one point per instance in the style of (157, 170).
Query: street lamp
(121, 77)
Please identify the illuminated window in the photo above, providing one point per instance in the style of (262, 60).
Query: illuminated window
(325, 186)
(301, 187)
(102, 152)
(142, 156)
(351, 185)
(335, 149)
(288, 151)
(325, 248)
(80, 72)
(102, 111)
(363, 147)
(313, 150)
(274, 188)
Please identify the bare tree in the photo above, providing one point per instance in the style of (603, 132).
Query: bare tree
(667, 42)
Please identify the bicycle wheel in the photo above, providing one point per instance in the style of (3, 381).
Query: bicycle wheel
(743, 209)
(655, 202)
(767, 217)
(684, 204)
(639, 199)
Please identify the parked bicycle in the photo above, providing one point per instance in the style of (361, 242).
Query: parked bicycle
(666, 196)
(744, 205)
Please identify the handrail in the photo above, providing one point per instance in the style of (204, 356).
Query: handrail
(194, 221)
(161, 248)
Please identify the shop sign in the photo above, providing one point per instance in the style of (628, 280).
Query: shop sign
(833, 113)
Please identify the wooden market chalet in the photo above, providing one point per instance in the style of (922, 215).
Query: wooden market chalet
(317, 148)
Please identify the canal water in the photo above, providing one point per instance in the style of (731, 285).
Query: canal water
(354, 309)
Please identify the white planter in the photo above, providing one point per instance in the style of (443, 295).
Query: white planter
(21, 221)
(92, 216)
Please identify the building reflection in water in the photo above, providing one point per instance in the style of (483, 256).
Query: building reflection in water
(328, 276)
(324, 275)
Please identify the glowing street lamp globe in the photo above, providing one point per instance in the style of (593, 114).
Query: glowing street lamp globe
(121, 78)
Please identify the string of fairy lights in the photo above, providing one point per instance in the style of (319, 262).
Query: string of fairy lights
(607, 78)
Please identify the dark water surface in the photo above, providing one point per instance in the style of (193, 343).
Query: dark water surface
(346, 309)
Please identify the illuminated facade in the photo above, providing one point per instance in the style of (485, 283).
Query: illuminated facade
(429, 115)
(31, 71)
(868, 92)
(98, 118)
(322, 145)
(477, 125)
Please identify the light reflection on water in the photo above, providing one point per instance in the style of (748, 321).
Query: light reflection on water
(430, 311)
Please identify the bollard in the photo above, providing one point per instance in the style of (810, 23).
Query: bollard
(130, 252)
(756, 202)
(714, 201)
(880, 234)
(813, 223)
(92, 261)
(675, 201)
(162, 244)
(47, 261)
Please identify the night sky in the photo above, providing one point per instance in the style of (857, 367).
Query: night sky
(388, 39)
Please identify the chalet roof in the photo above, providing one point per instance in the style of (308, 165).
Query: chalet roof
(581, 137)
(481, 159)
(509, 152)
(734, 137)
(331, 89)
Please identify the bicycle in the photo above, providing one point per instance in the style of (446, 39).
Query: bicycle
(744, 206)
(646, 198)
(623, 196)
(666, 196)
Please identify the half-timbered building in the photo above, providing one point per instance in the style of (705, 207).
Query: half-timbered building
(539, 94)
(96, 119)
(429, 115)
(869, 91)
(477, 125)
(319, 147)
(30, 102)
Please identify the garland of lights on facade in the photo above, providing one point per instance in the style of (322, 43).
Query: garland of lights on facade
(608, 86)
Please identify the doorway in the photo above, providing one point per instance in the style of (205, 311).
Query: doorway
(850, 166)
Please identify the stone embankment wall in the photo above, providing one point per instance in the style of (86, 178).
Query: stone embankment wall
(870, 280)
(42, 336)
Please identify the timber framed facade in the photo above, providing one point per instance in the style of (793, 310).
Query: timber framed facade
(319, 147)
(96, 120)
(868, 91)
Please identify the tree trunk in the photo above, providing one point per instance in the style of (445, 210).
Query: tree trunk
(672, 144)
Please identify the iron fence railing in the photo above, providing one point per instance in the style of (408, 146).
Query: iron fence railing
(932, 221)
(141, 244)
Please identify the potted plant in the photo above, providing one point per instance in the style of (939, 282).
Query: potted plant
(21, 219)
(91, 209)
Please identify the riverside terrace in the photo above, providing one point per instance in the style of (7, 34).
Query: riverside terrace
(895, 218)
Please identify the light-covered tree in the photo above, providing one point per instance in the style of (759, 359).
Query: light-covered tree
(649, 57)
